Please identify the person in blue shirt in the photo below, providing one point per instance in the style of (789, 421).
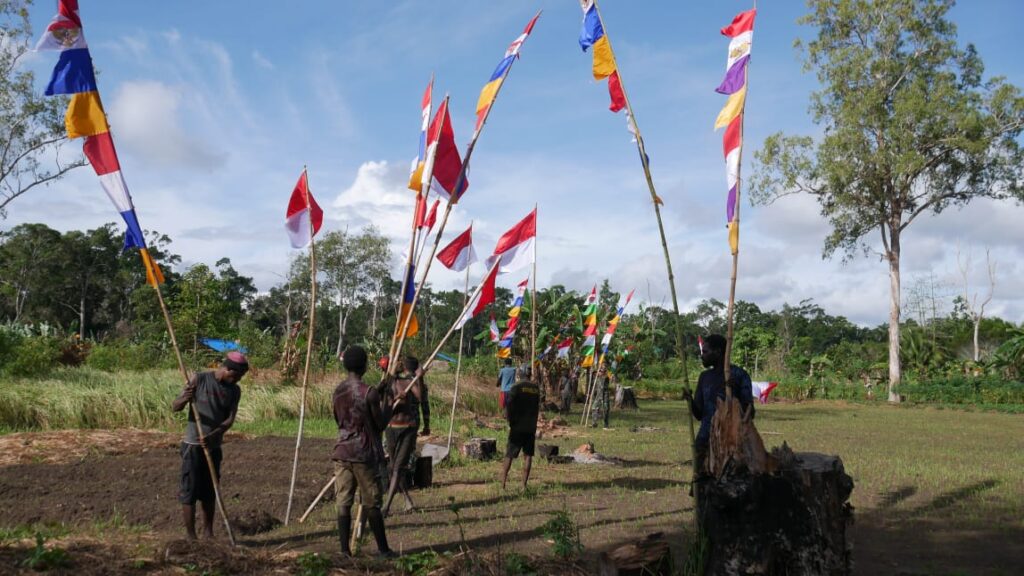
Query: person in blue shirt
(710, 387)
(506, 378)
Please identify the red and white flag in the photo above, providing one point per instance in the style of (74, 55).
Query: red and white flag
(302, 208)
(564, 347)
(443, 155)
(761, 390)
(480, 301)
(431, 218)
(459, 253)
(516, 247)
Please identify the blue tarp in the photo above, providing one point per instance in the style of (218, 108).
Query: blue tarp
(223, 345)
(445, 357)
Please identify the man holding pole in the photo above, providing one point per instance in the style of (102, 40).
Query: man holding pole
(404, 424)
(361, 420)
(215, 394)
(521, 408)
(710, 388)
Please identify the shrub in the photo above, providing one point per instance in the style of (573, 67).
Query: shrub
(33, 356)
(965, 390)
(120, 355)
(563, 534)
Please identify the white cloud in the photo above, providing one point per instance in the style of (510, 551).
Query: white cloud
(145, 117)
(261, 60)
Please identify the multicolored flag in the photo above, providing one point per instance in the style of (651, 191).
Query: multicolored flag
(590, 329)
(407, 299)
(480, 299)
(613, 324)
(302, 210)
(505, 345)
(593, 36)
(490, 90)
(516, 247)
(416, 173)
(459, 254)
(74, 75)
(741, 33)
(443, 161)
(495, 333)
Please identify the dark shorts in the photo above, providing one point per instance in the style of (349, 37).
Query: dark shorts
(520, 441)
(196, 484)
(401, 446)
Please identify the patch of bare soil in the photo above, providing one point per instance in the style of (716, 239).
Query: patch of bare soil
(69, 445)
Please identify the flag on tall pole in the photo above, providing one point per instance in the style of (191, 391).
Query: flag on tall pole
(590, 329)
(515, 247)
(413, 327)
(416, 174)
(431, 218)
(613, 324)
(490, 90)
(443, 155)
(75, 76)
(505, 345)
(740, 33)
(593, 36)
(304, 217)
(459, 253)
(483, 296)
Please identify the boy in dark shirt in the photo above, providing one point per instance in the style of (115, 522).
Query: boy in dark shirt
(215, 394)
(358, 452)
(521, 408)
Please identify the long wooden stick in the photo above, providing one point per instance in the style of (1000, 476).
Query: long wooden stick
(533, 313)
(309, 350)
(195, 414)
(656, 201)
(317, 499)
(458, 364)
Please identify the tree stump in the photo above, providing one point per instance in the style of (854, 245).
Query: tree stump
(647, 557)
(547, 450)
(480, 448)
(625, 398)
(778, 513)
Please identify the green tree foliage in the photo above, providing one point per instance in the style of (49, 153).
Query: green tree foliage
(910, 128)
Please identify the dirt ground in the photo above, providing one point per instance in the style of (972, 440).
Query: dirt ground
(91, 481)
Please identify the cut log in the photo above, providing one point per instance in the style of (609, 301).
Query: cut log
(625, 398)
(547, 450)
(647, 557)
(778, 513)
(480, 448)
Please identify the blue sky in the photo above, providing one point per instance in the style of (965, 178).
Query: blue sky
(216, 107)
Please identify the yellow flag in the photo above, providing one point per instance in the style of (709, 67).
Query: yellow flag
(604, 60)
(153, 274)
(85, 116)
(734, 237)
(733, 108)
(587, 362)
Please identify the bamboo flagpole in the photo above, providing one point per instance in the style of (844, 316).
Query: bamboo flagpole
(458, 363)
(483, 115)
(533, 314)
(309, 345)
(656, 201)
(195, 414)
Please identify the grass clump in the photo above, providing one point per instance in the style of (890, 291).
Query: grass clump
(563, 534)
(42, 558)
(419, 564)
(313, 564)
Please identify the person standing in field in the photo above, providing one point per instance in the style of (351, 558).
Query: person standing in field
(711, 387)
(215, 395)
(358, 453)
(521, 408)
(506, 378)
(404, 424)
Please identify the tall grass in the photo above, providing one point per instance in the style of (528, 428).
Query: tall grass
(88, 398)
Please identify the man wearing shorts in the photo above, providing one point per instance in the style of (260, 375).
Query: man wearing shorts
(358, 452)
(215, 395)
(521, 408)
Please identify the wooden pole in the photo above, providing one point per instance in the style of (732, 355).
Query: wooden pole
(195, 414)
(458, 363)
(533, 313)
(317, 499)
(656, 201)
(309, 349)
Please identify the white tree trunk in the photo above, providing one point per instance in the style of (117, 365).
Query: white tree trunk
(893, 255)
(977, 327)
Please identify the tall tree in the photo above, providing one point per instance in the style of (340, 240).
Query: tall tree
(32, 136)
(910, 128)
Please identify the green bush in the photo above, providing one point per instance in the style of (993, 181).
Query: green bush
(965, 390)
(119, 355)
(33, 356)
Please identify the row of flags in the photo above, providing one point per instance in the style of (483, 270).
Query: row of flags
(505, 344)
(75, 76)
(589, 329)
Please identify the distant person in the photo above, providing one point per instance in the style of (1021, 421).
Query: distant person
(601, 403)
(506, 378)
(710, 387)
(358, 453)
(521, 408)
(567, 390)
(215, 395)
(404, 424)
